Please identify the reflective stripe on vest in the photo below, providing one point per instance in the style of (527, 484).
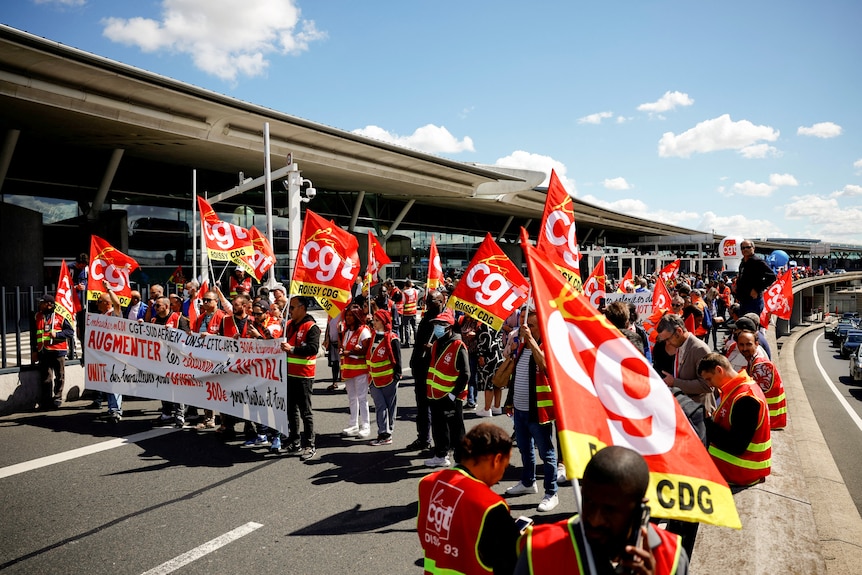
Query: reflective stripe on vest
(352, 365)
(44, 337)
(755, 463)
(443, 371)
(300, 366)
(411, 298)
(382, 371)
(764, 372)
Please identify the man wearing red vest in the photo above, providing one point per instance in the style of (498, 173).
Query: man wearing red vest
(764, 372)
(49, 342)
(410, 300)
(208, 322)
(446, 387)
(172, 412)
(740, 442)
(302, 342)
(612, 491)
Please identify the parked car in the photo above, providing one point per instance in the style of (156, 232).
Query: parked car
(851, 343)
(856, 365)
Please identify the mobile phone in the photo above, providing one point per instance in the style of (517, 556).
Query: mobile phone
(522, 523)
(641, 519)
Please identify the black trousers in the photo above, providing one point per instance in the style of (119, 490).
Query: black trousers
(423, 409)
(299, 408)
(447, 424)
(52, 374)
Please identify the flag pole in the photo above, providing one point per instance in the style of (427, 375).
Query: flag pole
(194, 224)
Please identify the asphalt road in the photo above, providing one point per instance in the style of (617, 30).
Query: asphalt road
(826, 376)
(184, 501)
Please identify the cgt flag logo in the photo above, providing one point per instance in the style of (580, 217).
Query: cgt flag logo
(778, 298)
(435, 268)
(605, 393)
(327, 265)
(109, 264)
(441, 510)
(594, 287)
(558, 238)
(492, 287)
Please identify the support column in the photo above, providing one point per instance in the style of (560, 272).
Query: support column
(398, 220)
(9, 144)
(107, 178)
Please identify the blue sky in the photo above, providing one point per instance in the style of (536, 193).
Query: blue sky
(739, 117)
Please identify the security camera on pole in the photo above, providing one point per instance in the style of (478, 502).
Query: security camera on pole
(299, 190)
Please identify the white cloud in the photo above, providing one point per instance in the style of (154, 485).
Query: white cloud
(758, 151)
(816, 209)
(637, 208)
(429, 138)
(622, 119)
(720, 133)
(539, 163)
(848, 190)
(595, 118)
(616, 184)
(821, 130)
(749, 188)
(666, 103)
(225, 38)
(739, 225)
(782, 180)
(858, 163)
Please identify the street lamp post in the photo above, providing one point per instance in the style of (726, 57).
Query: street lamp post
(295, 197)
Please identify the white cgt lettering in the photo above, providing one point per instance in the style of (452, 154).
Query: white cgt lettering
(568, 238)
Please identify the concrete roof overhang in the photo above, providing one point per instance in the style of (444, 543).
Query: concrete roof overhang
(67, 101)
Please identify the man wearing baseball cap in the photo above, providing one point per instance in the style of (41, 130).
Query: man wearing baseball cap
(48, 340)
(446, 387)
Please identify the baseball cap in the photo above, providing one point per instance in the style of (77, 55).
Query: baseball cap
(446, 316)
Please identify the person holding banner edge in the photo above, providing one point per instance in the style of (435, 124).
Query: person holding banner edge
(302, 341)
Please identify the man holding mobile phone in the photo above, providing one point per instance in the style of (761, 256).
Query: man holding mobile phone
(615, 520)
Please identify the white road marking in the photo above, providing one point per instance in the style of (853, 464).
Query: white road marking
(850, 411)
(82, 451)
(200, 551)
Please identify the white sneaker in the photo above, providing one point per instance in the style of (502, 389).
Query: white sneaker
(497, 410)
(521, 489)
(548, 502)
(351, 431)
(483, 413)
(561, 473)
(363, 432)
(438, 462)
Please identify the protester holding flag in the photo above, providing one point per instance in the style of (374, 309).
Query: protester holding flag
(740, 442)
(530, 402)
(613, 493)
(446, 387)
(49, 342)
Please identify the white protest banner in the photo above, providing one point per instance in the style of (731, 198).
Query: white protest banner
(642, 301)
(241, 377)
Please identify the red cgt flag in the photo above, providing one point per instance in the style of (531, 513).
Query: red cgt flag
(377, 258)
(594, 287)
(68, 303)
(669, 273)
(605, 393)
(778, 298)
(627, 282)
(327, 265)
(263, 257)
(491, 288)
(558, 238)
(111, 265)
(225, 241)
(435, 269)
(660, 297)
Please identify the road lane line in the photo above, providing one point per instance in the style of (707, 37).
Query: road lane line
(83, 451)
(206, 548)
(850, 411)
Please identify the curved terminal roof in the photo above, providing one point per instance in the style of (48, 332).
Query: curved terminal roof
(72, 110)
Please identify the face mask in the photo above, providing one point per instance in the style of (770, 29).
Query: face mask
(185, 293)
(439, 331)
